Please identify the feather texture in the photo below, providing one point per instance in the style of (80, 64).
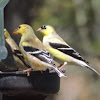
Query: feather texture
(34, 52)
(17, 55)
(60, 49)
(67, 50)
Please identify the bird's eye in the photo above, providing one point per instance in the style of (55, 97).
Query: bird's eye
(43, 27)
(19, 27)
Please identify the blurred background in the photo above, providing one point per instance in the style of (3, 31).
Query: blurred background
(78, 23)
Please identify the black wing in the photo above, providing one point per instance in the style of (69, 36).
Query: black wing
(67, 50)
(43, 55)
(20, 56)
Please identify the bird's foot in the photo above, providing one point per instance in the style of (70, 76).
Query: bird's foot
(28, 71)
(41, 71)
(61, 67)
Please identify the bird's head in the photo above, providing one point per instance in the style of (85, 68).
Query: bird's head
(46, 30)
(6, 34)
(24, 28)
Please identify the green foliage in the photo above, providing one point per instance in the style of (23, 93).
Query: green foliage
(78, 16)
(55, 13)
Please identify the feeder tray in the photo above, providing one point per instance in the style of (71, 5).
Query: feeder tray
(17, 82)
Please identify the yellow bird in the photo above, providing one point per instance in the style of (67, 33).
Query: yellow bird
(20, 63)
(34, 52)
(60, 49)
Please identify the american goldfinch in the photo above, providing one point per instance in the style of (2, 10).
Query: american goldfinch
(60, 49)
(21, 64)
(34, 52)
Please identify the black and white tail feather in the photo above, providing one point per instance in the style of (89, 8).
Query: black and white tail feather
(87, 66)
(45, 57)
(75, 56)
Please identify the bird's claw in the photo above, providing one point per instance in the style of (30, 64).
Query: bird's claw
(28, 71)
(61, 67)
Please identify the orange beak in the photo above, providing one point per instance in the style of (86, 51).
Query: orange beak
(15, 31)
(38, 30)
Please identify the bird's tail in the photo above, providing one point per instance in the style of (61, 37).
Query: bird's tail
(92, 69)
(87, 66)
(82, 63)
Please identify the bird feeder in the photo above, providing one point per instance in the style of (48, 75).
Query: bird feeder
(16, 85)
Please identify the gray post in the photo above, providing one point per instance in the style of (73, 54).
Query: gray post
(3, 50)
